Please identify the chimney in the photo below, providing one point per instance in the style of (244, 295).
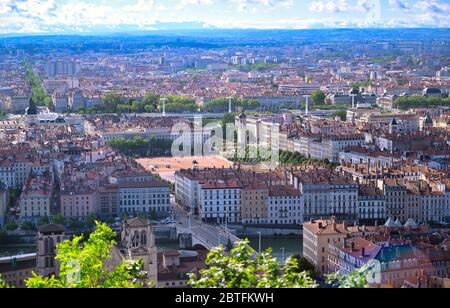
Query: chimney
(320, 225)
(363, 253)
(353, 246)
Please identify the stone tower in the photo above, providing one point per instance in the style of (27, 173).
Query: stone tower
(47, 238)
(138, 242)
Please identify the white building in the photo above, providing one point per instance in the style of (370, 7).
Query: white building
(285, 206)
(327, 194)
(220, 202)
(371, 205)
(149, 197)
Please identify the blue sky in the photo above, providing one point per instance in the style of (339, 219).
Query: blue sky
(58, 16)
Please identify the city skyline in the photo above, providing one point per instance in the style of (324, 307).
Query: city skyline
(84, 17)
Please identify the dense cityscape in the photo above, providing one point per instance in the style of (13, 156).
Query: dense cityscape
(187, 148)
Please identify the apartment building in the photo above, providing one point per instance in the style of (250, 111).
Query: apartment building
(327, 193)
(108, 199)
(317, 238)
(36, 199)
(395, 198)
(254, 200)
(14, 173)
(371, 205)
(336, 143)
(220, 201)
(79, 202)
(285, 206)
(151, 197)
(187, 190)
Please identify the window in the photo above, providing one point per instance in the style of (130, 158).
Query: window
(144, 238)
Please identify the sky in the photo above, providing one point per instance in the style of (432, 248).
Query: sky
(83, 16)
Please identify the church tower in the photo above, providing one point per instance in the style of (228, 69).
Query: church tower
(47, 238)
(138, 242)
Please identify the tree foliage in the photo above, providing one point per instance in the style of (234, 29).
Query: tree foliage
(141, 147)
(222, 104)
(27, 226)
(59, 219)
(341, 114)
(11, 226)
(82, 265)
(354, 280)
(39, 96)
(179, 104)
(3, 285)
(243, 268)
(318, 97)
(409, 102)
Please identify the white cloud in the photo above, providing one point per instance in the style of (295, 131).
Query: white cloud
(83, 15)
(402, 5)
(329, 6)
(244, 5)
(432, 6)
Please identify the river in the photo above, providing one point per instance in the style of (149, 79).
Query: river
(290, 245)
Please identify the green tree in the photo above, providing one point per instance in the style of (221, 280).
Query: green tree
(354, 280)
(11, 226)
(179, 104)
(82, 265)
(75, 224)
(3, 285)
(27, 226)
(91, 220)
(305, 266)
(111, 101)
(59, 219)
(150, 102)
(39, 96)
(243, 268)
(43, 221)
(342, 114)
(318, 97)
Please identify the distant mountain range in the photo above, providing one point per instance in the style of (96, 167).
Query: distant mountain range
(130, 29)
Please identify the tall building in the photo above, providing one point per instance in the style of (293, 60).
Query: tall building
(63, 68)
(76, 100)
(60, 102)
(48, 237)
(138, 242)
(320, 235)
